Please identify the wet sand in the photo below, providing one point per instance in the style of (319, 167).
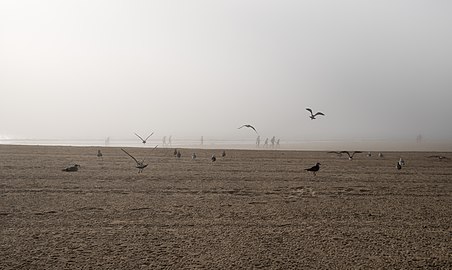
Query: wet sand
(250, 210)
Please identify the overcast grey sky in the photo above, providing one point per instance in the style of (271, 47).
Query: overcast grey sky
(92, 69)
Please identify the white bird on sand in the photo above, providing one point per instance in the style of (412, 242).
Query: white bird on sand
(314, 168)
(71, 168)
(140, 165)
(249, 126)
(312, 116)
(350, 156)
(144, 140)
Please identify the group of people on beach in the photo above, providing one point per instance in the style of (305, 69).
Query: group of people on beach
(274, 142)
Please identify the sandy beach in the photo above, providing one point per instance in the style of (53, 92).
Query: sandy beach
(249, 210)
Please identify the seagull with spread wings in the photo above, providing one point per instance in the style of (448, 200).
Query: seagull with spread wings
(249, 126)
(140, 164)
(350, 156)
(312, 116)
(144, 140)
(439, 157)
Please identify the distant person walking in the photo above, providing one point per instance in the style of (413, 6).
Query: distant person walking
(273, 140)
(170, 140)
(258, 141)
(266, 143)
(164, 140)
(277, 144)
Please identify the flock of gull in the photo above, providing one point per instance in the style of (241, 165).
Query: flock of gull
(141, 165)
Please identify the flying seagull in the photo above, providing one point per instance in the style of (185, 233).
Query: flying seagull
(350, 156)
(439, 157)
(140, 164)
(314, 169)
(312, 116)
(144, 140)
(72, 168)
(249, 126)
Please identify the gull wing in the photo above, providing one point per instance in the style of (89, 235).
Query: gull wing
(140, 137)
(309, 110)
(345, 152)
(130, 156)
(149, 136)
(319, 113)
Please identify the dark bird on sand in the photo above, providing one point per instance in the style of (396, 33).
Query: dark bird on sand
(249, 126)
(178, 154)
(399, 166)
(144, 140)
(314, 168)
(223, 154)
(312, 116)
(193, 156)
(99, 154)
(140, 165)
(213, 158)
(71, 168)
(350, 156)
(439, 157)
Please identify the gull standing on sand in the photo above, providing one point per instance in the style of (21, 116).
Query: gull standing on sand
(213, 158)
(99, 155)
(144, 140)
(312, 116)
(249, 126)
(223, 154)
(314, 168)
(140, 165)
(350, 156)
(193, 156)
(402, 162)
(399, 166)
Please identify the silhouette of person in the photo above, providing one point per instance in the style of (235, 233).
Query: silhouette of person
(164, 140)
(170, 140)
(273, 141)
(266, 143)
(258, 141)
(277, 143)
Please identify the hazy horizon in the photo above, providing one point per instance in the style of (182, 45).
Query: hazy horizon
(379, 70)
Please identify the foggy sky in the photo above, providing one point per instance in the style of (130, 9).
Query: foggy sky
(92, 69)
